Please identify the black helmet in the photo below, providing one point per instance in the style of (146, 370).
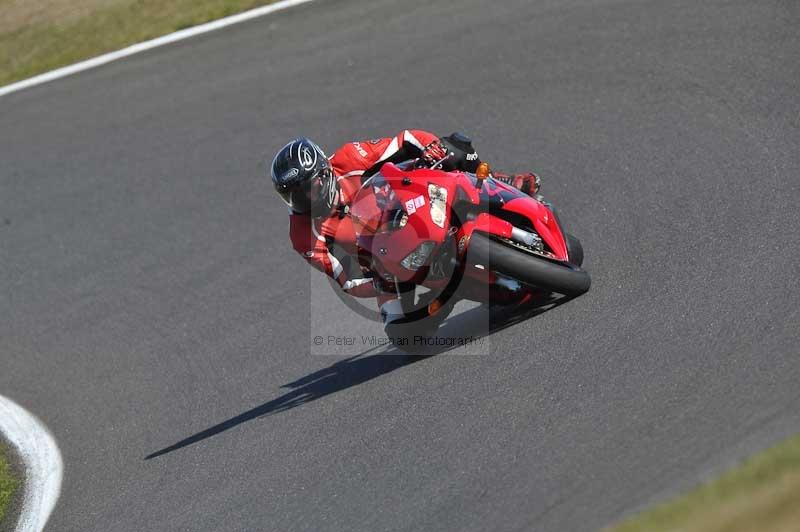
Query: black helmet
(303, 177)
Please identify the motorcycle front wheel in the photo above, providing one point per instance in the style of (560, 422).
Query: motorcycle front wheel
(528, 268)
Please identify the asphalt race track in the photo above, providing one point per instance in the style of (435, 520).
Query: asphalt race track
(155, 317)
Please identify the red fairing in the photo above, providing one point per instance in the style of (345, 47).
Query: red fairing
(493, 225)
(413, 197)
(410, 192)
(543, 221)
(540, 215)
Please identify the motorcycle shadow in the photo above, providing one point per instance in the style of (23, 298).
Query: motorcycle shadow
(370, 364)
(477, 324)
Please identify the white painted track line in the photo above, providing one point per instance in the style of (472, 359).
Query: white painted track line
(148, 45)
(42, 461)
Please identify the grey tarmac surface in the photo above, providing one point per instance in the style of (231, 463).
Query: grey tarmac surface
(150, 295)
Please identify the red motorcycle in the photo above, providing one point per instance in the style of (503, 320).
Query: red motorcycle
(461, 236)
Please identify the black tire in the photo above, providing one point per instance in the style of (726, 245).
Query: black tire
(574, 249)
(403, 335)
(502, 258)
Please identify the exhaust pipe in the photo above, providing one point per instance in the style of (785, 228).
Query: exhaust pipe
(525, 238)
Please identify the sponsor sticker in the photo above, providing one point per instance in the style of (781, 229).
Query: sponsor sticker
(290, 174)
(410, 207)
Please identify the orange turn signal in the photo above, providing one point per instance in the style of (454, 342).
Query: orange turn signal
(483, 171)
(434, 306)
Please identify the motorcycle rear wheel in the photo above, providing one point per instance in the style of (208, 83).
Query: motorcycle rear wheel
(494, 255)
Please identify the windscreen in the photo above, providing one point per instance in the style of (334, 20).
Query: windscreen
(376, 208)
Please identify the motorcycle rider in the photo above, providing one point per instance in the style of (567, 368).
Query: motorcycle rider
(319, 190)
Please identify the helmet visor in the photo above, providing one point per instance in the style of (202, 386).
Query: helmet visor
(316, 193)
(297, 196)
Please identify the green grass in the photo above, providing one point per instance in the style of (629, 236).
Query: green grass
(8, 482)
(32, 44)
(763, 494)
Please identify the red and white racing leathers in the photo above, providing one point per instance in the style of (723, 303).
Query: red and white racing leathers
(313, 238)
